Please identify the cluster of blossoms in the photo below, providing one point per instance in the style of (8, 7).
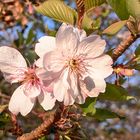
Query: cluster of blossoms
(70, 68)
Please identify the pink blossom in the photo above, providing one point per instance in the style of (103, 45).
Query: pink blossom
(14, 68)
(76, 64)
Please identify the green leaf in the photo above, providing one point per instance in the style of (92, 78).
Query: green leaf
(137, 51)
(89, 24)
(115, 93)
(30, 55)
(119, 6)
(30, 37)
(102, 114)
(58, 10)
(4, 119)
(133, 6)
(90, 4)
(115, 27)
(88, 106)
(125, 8)
(19, 42)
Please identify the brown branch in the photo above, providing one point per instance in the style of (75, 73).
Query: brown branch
(16, 130)
(81, 11)
(42, 129)
(121, 48)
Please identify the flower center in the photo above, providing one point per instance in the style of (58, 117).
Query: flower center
(30, 76)
(73, 63)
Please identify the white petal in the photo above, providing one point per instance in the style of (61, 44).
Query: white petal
(101, 66)
(83, 93)
(66, 38)
(92, 46)
(39, 62)
(47, 100)
(61, 86)
(46, 44)
(12, 63)
(95, 89)
(53, 61)
(20, 103)
(31, 90)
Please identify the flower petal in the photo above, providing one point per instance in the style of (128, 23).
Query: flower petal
(47, 100)
(20, 103)
(61, 86)
(12, 63)
(46, 44)
(92, 46)
(31, 90)
(53, 61)
(101, 66)
(93, 90)
(67, 38)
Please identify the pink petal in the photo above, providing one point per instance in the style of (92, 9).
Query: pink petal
(53, 61)
(39, 62)
(67, 38)
(92, 46)
(12, 63)
(61, 86)
(47, 100)
(65, 89)
(101, 66)
(20, 103)
(31, 90)
(93, 90)
(46, 44)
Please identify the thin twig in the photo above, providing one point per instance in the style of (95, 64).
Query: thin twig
(120, 49)
(81, 11)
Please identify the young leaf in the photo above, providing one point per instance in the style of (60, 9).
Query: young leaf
(102, 114)
(114, 28)
(125, 8)
(89, 24)
(88, 106)
(115, 93)
(90, 4)
(133, 6)
(119, 6)
(58, 10)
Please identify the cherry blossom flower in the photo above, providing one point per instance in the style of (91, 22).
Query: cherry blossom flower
(14, 68)
(76, 64)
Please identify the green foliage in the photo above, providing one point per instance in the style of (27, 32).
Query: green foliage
(30, 37)
(102, 114)
(119, 6)
(25, 41)
(89, 24)
(133, 6)
(58, 10)
(114, 28)
(137, 51)
(125, 8)
(90, 4)
(115, 93)
(4, 119)
(97, 113)
(88, 106)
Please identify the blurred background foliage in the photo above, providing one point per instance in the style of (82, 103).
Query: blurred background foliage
(116, 114)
